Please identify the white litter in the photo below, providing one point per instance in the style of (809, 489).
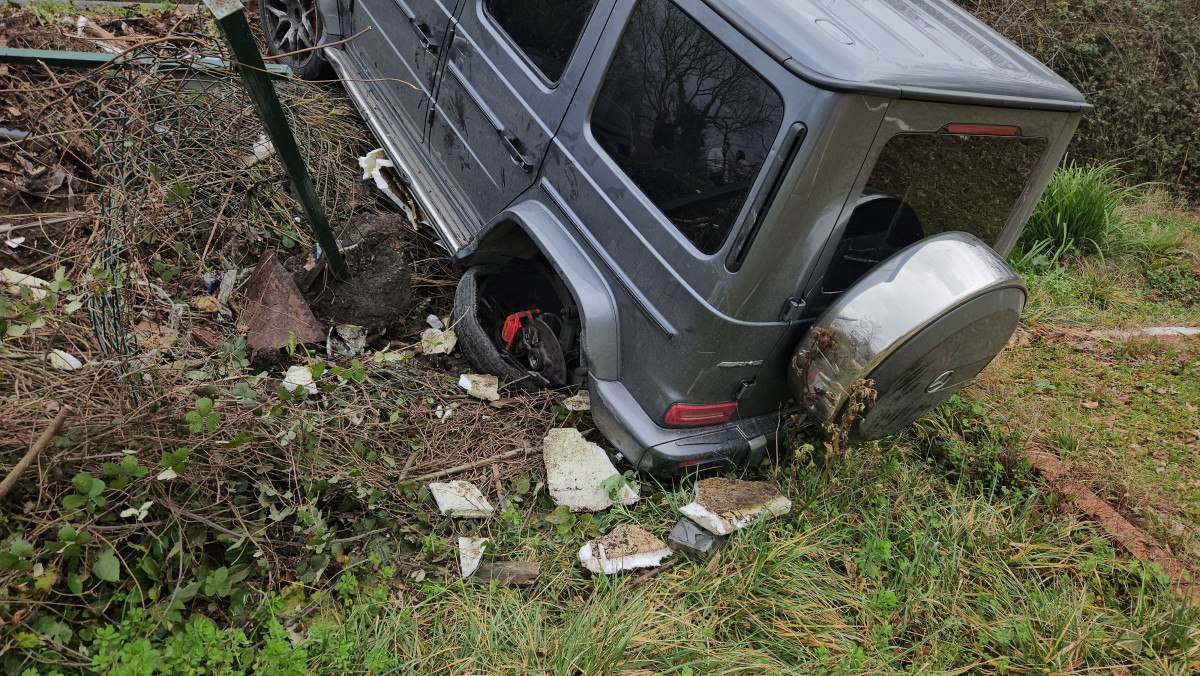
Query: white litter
(14, 281)
(443, 413)
(14, 242)
(261, 150)
(582, 401)
(434, 322)
(626, 547)
(346, 339)
(575, 471)
(373, 164)
(299, 377)
(436, 341)
(483, 387)
(460, 499)
(725, 505)
(470, 553)
(63, 361)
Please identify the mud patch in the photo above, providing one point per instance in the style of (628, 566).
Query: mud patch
(378, 293)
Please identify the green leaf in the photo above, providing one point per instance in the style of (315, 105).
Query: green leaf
(74, 501)
(21, 548)
(83, 482)
(204, 405)
(106, 566)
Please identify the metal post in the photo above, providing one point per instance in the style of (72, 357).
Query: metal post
(231, 19)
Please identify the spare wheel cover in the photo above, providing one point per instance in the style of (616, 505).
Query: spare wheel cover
(921, 325)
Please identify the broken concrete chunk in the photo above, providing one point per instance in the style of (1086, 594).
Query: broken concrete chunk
(626, 547)
(480, 386)
(470, 553)
(725, 505)
(576, 470)
(435, 341)
(299, 377)
(460, 499)
(580, 402)
(688, 537)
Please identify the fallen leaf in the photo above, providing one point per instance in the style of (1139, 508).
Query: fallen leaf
(1089, 404)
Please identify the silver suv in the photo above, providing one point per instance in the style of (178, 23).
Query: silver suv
(712, 213)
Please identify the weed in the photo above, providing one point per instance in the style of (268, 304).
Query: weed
(1076, 214)
(1176, 283)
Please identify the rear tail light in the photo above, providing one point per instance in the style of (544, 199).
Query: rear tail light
(695, 415)
(982, 129)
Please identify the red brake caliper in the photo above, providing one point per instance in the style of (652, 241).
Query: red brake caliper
(512, 325)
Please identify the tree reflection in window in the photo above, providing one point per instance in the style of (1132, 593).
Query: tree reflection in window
(688, 121)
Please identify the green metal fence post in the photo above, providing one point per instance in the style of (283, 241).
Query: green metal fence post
(231, 19)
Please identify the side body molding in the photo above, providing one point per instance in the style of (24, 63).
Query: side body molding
(592, 293)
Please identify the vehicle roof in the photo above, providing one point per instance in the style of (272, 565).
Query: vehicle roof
(918, 49)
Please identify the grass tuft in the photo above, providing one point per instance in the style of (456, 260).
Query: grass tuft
(1077, 214)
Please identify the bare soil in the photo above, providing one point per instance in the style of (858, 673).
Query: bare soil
(378, 293)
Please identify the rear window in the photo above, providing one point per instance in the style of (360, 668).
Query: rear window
(687, 120)
(956, 182)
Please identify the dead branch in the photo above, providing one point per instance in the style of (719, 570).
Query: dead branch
(34, 451)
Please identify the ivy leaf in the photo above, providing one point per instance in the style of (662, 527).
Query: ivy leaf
(106, 566)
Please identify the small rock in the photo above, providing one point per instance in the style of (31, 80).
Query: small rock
(575, 471)
(483, 387)
(299, 377)
(582, 401)
(725, 505)
(434, 322)
(626, 547)
(460, 499)
(436, 341)
(688, 537)
(470, 553)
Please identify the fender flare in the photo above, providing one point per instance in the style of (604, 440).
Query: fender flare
(331, 21)
(592, 293)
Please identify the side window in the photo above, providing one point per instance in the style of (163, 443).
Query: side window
(545, 30)
(688, 121)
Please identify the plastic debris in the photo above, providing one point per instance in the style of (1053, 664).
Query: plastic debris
(14, 281)
(63, 361)
(434, 322)
(437, 341)
(373, 164)
(299, 377)
(460, 499)
(261, 150)
(576, 470)
(221, 284)
(483, 387)
(725, 505)
(582, 401)
(470, 553)
(443, 413)
(626, 547)
(15, 242)
(346, 339)
(688, 537)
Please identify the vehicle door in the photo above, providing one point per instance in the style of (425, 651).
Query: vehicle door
(510, 72)
(398, 44)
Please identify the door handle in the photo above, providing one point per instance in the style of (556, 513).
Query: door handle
(422, 31)
(516, 150)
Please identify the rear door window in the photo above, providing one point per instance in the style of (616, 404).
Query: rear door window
(687, 120)
(545, 30)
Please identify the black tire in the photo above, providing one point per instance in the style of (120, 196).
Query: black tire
(477, 346)
(292, 25)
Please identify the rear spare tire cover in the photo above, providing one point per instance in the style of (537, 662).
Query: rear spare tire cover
(921, 325)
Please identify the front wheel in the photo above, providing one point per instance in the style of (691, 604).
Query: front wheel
(292, 29)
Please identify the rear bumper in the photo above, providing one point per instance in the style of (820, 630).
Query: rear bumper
(667, 452)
